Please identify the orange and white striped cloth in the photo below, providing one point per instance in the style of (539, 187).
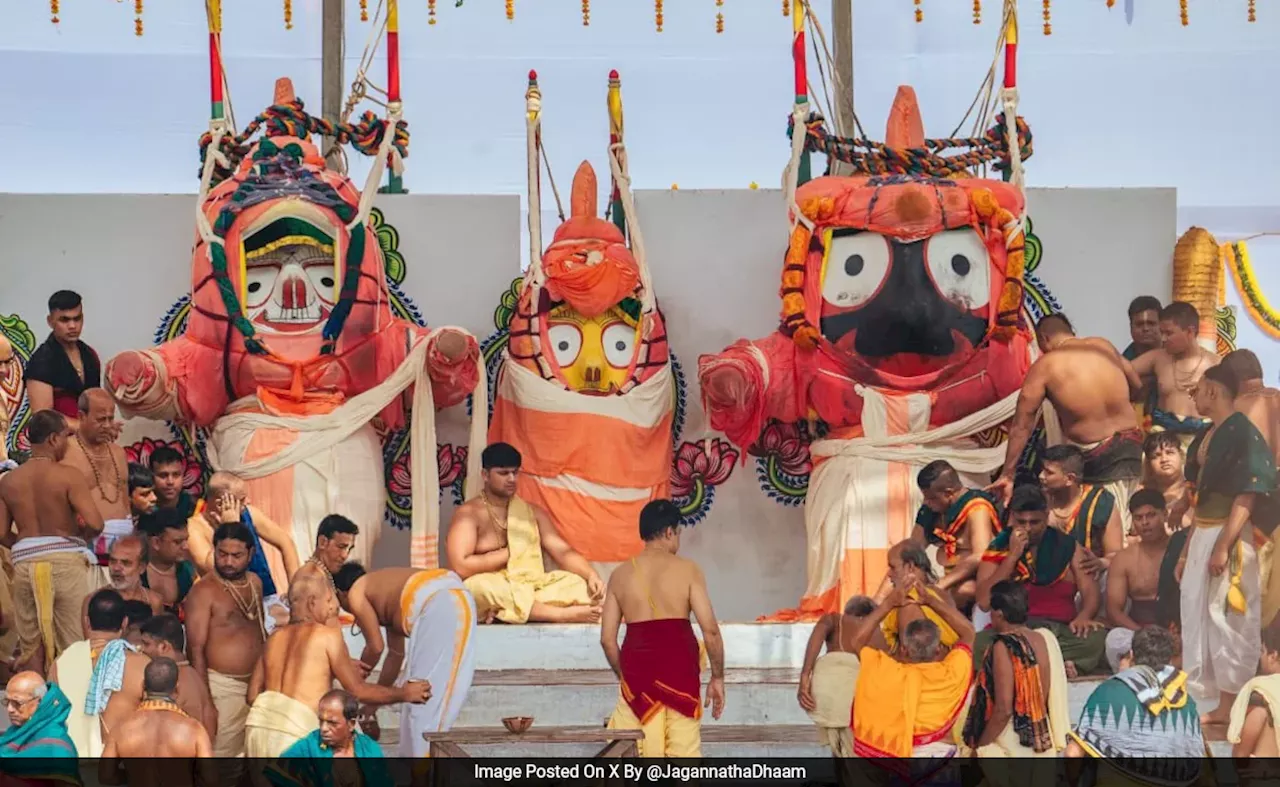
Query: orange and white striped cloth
(439, 615)
(591, 462)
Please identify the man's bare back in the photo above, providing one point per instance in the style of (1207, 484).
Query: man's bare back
(43, 498)
(668, 580)
(1086, 381)
(109, 485)
(1041, 649)
(301, 660)
(124, 703)
(382, 589)
(1262, 407)
(161, 733)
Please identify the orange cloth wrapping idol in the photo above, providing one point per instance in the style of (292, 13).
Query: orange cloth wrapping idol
(900, 706)
(660, 666)
(585, 392)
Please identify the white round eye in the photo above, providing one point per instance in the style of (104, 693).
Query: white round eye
(960, 268)
(258, 283)
(857, 266)
(566, 342)
(619, 341)
(322, 279)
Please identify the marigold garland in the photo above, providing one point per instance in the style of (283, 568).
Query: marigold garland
(431, 12)
(657, 13)
(786, 7)
(719, 17)
(511, 10)
(137, 17)
(1182, 12)
(977, 12)
(53, 10)
(586, 13)
(1111, 3)
(364, 10)
(919, 12)
(1048, 26)
(1253, 11)
(288, 14)
(1263, 314)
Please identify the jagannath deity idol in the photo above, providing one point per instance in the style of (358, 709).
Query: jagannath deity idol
(292, 357)
(585, 390)
(901, 340)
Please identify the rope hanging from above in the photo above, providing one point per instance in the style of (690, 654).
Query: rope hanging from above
(291, 119)
(868, 157)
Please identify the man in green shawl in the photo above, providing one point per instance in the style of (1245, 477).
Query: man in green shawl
(1233, 471)
(313, 760)
(36, 748)
(1052, 564)
(960, 522)
(1141, 723)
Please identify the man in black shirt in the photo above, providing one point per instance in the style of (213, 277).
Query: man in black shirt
(63, 367)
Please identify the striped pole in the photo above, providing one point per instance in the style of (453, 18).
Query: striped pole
(213, 11)
(616, 211)
(1011, 75)
(393, 51)
(798, 9)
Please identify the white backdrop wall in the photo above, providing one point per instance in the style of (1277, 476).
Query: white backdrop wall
(715, 258)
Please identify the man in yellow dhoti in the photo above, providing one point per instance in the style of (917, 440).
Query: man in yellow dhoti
(827, 681)
(496, 543)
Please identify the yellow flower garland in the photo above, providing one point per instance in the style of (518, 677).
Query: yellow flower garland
(1263, 314)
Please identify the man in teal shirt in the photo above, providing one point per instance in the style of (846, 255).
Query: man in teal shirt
(310, 761)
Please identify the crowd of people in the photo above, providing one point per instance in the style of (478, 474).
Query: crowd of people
(144, 620)
(1140, 549)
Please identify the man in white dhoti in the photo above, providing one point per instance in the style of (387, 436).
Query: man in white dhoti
(431, 610)
(1232, 468)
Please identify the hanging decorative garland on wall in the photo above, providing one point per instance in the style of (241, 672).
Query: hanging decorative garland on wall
(1236, 257)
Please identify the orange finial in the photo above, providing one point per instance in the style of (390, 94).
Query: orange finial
(284, 91)
(905, 128)
(582, 202)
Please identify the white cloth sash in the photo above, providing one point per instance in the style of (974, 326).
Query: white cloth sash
(847, 503)
(36, 547)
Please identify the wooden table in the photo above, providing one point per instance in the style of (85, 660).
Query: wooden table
(617, 743)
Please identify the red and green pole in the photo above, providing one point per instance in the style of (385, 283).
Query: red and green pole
(213, 10)
(395, 183)
(798, 10)
(1011, 71)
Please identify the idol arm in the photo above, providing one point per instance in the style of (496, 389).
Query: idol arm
(749, 383)
(451, 364)
(178, 380)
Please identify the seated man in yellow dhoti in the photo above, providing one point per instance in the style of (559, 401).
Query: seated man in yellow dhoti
(827, 681)
(497, 542)
(907, 708)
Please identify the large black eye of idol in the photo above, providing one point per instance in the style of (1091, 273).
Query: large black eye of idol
(960, 264)
(853, 265)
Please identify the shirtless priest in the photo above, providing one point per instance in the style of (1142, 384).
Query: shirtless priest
(496, 543)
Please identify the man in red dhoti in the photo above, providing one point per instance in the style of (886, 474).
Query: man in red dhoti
(659, 665)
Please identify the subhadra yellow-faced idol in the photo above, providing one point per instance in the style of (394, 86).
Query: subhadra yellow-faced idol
(585, 390)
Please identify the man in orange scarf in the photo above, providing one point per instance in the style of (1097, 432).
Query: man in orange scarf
(907, 708)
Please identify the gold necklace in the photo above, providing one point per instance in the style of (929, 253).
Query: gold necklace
(499, 524)
(97, 479)
(1180, 380)
(251, 609)
(163, 572)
